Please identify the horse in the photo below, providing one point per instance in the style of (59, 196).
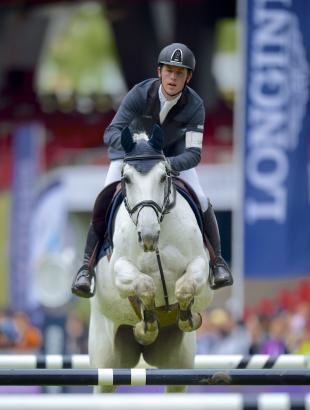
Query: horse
(150, 291)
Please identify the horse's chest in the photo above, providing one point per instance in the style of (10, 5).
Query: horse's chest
(172, 261)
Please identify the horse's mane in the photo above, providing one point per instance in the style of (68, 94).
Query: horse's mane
(144, 155)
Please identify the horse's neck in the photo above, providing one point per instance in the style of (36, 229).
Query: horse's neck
(182, 208)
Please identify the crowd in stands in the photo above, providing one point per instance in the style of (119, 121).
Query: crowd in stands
(281, 326)
(18, 334)
(282, 333)
(273, 327)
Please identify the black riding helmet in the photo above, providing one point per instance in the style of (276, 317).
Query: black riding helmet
(177, 54)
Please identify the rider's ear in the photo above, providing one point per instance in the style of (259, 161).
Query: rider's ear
(126, 140)
(189, 76)
(157, 138)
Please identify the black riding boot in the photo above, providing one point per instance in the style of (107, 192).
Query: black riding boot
(84, 284)
(221, 273)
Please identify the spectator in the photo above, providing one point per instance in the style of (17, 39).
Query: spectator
(300, 320)
(207, 337)
(30, 337)
(256, 334)
(8, 331)
(224, 335)
(258, 330)
(304, 343)
(275, 343)
(76, 339)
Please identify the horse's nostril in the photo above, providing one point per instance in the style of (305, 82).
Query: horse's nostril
(149, 241)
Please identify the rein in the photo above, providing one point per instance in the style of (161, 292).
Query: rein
(160, 211)
(162, 277)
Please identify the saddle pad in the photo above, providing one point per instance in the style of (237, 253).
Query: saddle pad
(195, 208)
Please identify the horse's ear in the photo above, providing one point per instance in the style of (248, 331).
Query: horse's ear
(157, 138)
(127, 140)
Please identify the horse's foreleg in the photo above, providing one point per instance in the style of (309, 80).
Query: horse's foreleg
(131, 282)
(186, 288)
(146, 331)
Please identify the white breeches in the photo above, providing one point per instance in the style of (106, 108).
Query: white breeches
(114, 172)
(190, 176)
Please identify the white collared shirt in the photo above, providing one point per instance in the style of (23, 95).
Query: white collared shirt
(166, 105)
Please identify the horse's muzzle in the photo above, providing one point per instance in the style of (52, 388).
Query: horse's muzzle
(148, 240)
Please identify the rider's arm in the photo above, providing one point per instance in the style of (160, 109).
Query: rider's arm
(127, 111)
(193, 143)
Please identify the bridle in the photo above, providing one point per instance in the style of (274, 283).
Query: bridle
(169, 189)
(160, 211)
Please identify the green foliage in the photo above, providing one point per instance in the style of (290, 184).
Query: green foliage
(80, 51)
(226, 35)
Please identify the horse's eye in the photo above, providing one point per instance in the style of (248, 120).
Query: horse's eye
(127, 179)
(163, 178)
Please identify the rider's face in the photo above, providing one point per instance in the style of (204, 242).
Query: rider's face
(173, 79)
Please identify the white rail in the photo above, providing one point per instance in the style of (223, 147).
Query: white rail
(234, 401)
(284, 361)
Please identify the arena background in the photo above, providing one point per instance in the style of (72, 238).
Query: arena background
(64, 68)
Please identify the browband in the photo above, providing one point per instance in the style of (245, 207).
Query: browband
(144, 157)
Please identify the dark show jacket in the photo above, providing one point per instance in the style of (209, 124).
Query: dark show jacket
(140, 111)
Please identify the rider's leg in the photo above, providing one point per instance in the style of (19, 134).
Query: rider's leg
(221, 273)
(84, 283)
(114, 172)
(85, 280)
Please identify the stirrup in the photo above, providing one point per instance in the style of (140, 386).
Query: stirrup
(219, 262)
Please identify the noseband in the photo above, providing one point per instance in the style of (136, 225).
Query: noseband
(169, 187)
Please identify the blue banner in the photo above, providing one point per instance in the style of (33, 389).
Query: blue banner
(27, 146)
(276, 139)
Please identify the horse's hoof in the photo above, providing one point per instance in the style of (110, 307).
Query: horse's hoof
(193, 322)
(146, 332)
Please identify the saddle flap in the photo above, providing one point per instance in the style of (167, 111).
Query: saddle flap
(106, 205)
(189, 194)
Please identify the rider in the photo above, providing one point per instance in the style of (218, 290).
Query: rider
(170, 102)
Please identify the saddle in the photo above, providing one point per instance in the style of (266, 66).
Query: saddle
(111, 197)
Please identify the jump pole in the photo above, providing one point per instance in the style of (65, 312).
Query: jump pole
(213, 401)
(284, 361)
(141, 377)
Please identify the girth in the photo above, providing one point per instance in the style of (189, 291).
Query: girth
(165, 317)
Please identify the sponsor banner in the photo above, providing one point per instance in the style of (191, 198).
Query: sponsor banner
(27, 147)
(4, 277)
(276, 142)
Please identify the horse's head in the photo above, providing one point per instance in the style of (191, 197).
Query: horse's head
(146, 184)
